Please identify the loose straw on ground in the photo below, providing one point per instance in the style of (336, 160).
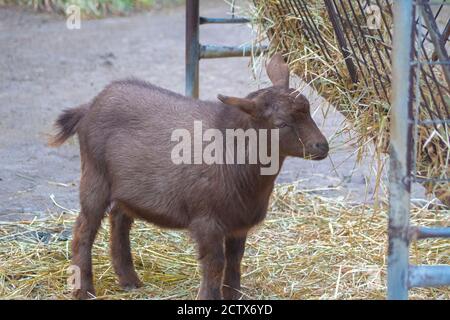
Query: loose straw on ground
(309, 247)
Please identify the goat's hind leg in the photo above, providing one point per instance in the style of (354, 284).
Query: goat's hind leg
(94, 199)
(120, 249)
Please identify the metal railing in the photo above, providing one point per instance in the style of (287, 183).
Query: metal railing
(195, 51)
(406, 57)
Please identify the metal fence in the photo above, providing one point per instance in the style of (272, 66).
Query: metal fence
(407, 65)
(196, 51)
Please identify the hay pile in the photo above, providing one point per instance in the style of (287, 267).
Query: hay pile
(366, 102)
(308, 248)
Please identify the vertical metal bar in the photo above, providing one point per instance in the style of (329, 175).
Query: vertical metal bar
(418, 37)
(192, 47)
(399, 181)
(352, 47)
(341, 41)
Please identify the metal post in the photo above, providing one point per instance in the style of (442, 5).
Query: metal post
(427, 232)
(429, 276)
(205, 20)
(213, 51)
(399, 180)
(192, 47)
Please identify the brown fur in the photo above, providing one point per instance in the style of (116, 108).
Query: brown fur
(125, 148)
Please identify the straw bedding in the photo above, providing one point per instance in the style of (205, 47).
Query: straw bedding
(309, 247)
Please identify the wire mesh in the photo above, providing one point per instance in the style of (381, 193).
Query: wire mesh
(431, 94)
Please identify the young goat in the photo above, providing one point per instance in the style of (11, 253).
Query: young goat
(125, 146)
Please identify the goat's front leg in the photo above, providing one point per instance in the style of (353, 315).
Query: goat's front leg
(212, 260)
(234, 251)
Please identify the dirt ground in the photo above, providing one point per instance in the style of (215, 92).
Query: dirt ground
(44, 68)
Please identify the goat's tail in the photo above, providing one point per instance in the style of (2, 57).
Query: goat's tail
(67, 124)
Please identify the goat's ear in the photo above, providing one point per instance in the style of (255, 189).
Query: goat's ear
(246, 105)
(278, 71)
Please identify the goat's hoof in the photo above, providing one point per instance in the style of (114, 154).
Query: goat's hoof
(81, 294)
(130, 285)
(231, 294)
(236, 296)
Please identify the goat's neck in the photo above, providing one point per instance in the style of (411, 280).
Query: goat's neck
(247, 176)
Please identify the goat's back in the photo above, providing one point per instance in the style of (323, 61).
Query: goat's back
(127, 134)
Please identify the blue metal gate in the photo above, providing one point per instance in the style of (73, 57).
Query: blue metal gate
(405, 102)
(195, 51)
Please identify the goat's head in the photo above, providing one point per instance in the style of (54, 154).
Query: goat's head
(282, 107)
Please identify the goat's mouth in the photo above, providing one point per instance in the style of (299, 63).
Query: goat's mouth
(314, 156)
(319, 156)
(315, 153)
(311, 155)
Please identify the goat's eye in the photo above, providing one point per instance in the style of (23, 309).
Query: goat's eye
(282, 125)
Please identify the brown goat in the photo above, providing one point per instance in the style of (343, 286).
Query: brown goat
(125, 147)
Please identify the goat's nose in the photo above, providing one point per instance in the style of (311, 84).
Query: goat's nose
(323, 147)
